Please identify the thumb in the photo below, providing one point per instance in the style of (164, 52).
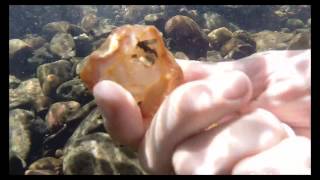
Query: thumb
(120, 111)
(189, 110)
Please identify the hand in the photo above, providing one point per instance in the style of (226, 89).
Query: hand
(246, 116)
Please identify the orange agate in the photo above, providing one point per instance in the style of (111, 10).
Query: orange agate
(135, 56)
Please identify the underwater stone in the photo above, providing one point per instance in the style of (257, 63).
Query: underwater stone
(285, 30)
(59, 112)
(267, 40)
(214, 56)
(180, 55)
(102, 28)
(96, 154)
(83, 44)
(88, 22)
(134, 13)
(294, 23)
(19, 52)
(186, 35)
(206, 31)
(51, 75)
(74, 90)
(92, 123)
(13, 82)
(245, 37)
(219, 36)
(193, 14)
(53, 28)
(45, 166)
(19, 132)
(309, 22)
(41, 56)
(62, 45)
(76, 30)
(158, 20)
(75, 61)
(88, 9)
(214, 21)
(301, 30)
(59, 138)
(300, 41)
(18, 47)
(236, 49)
(34, 41)
(171, 10)
(29, 95)
(80, 65)
(16, 164)
(137, 52)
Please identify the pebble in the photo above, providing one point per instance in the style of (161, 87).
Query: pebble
(62, 45)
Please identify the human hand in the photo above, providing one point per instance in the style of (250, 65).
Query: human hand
(258, 109)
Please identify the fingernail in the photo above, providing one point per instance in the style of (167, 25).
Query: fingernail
(237, 89)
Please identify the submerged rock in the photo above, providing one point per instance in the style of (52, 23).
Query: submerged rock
(19, 52)
(34, 41)
(90, 124)
(83, 44)
(239, 46)
(186, 36)
(71, 122)
(245, 37)
(13, 82)
(88, 22)
(309, 23)
(18, 47)
(214, 21)
(96, 154)
(267, 40)
(214, 56)
(236, 49)
(45, 166)
(135, 13)
(53, 28)
(16, 164)
(158, 20)
(19, 132)
(51, 75)
(41, 56)
(75, 61)
(300, 41)
(74, 90)
(29, 95)
(294, 23)
(193, 14)
(80, 65)
(62, 45)
(218, 37)
(76, 30)
(180, 55)
(103, 28)
(59, 112)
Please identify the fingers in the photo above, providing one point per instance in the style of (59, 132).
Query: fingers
(217, 150)
(288, 93)
(196, 70)
(256, 66)
(291, 156)
(190, 109)
(123, 119)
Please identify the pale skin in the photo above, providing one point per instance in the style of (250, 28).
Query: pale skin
(257, 110)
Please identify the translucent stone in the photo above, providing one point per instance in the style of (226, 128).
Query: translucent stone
(135, 56)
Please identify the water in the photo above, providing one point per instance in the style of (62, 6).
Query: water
(48, 43)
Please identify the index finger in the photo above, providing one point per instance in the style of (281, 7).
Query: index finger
(196, 70)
